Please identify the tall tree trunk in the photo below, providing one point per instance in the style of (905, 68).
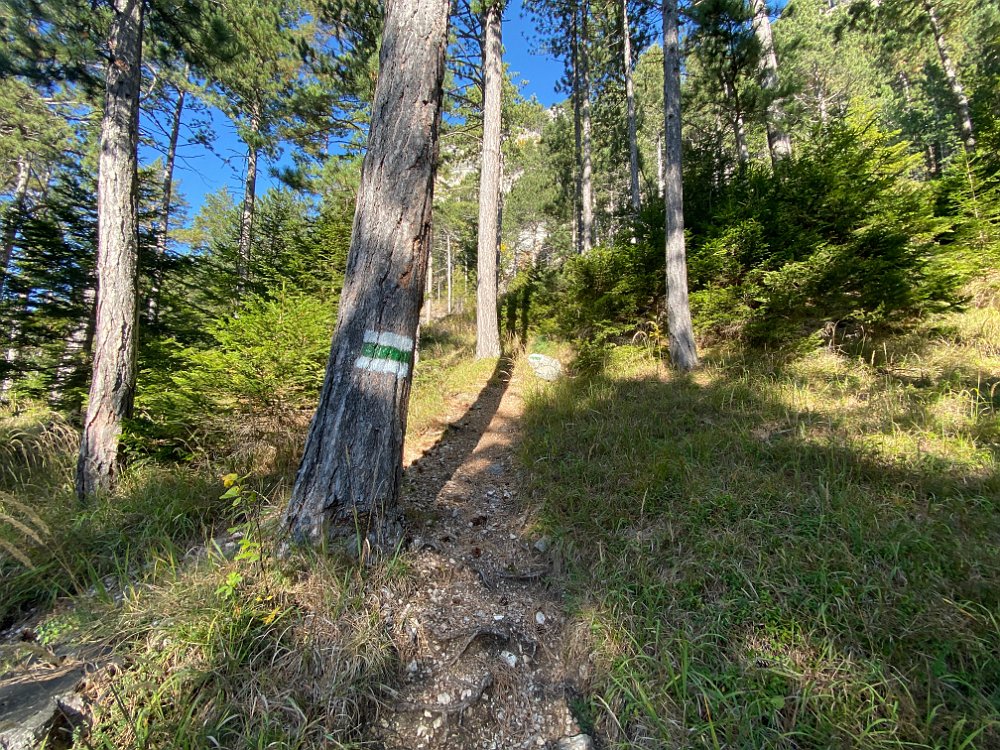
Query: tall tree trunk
(778, 141)
(249, 201)
(13, 342)
(660, 177)
(487, 325)
(447, 248)
(578, 136)
(163, 233)
(587, 180)
(429, 286)
(76, 353)
(12, 219)
(683, 353)
(633, 141)
(112, 386)
(349, 478)
(736, 120)
(951, 74)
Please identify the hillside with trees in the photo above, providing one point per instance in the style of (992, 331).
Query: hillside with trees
(665, 413)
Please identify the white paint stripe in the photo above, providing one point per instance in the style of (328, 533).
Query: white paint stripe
(368, 364)
(396, 341)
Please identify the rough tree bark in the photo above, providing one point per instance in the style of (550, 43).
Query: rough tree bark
(112, 386)
(578, 137)
(587, 178)
(349, 478)
(249, 201)
(778, 141)
(951, 74)
(487, 325)
(683, 353)
(12, 219)
(163, 231)
(633, 141)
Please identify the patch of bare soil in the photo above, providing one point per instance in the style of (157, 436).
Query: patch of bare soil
(481, 633)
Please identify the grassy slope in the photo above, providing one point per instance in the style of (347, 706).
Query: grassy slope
(785, 552)
(246, 652)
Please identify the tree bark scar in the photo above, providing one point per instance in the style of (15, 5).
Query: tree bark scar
(406, 278)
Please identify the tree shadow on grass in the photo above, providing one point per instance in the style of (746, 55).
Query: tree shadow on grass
(428, 474)
(764, 573)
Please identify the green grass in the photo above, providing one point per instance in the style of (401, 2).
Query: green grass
(788, 552)
(252, 652)
(446, 370)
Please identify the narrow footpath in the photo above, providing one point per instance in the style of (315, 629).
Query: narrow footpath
(481, 633)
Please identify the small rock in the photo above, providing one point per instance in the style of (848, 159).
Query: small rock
(444, 699)
(509, 658)
(497, 618)
(542, 545)
(412, 667)
(540, 617)
(576, 742)
(438, 722)
(546, 368)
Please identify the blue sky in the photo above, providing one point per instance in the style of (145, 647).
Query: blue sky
(200, 171)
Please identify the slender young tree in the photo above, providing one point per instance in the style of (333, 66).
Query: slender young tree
(586, 156)
(951, 75)
(683, 352)
(350, 473)
(12, 218)
(633, 140)
(487, 325)
(249, 200)
(163, 228)
(778, 141)
(113, 381)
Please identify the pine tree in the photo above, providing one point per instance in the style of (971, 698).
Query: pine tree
(683, 352)
(351, 469)
(113, 384)
(490, 180)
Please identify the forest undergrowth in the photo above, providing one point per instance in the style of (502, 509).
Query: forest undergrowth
(203, 636)
(784, 550)
(778, 550)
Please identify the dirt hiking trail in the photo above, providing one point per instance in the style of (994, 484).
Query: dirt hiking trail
(481, 634)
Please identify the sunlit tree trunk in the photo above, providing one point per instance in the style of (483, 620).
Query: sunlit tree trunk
(778, 141)
(578, 137)
(429, 287)
(633, 141)
(249, 202)
(954, 83)
(487, 325)
(683, 353)
(587, 178)
(163, 231)
(112, 387)
(447, 248)
(348, 481)
(660, 177)
(12, 219)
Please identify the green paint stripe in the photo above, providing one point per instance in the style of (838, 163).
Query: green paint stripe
(383, 351)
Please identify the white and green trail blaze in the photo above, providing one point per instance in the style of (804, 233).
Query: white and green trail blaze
(386, 352)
